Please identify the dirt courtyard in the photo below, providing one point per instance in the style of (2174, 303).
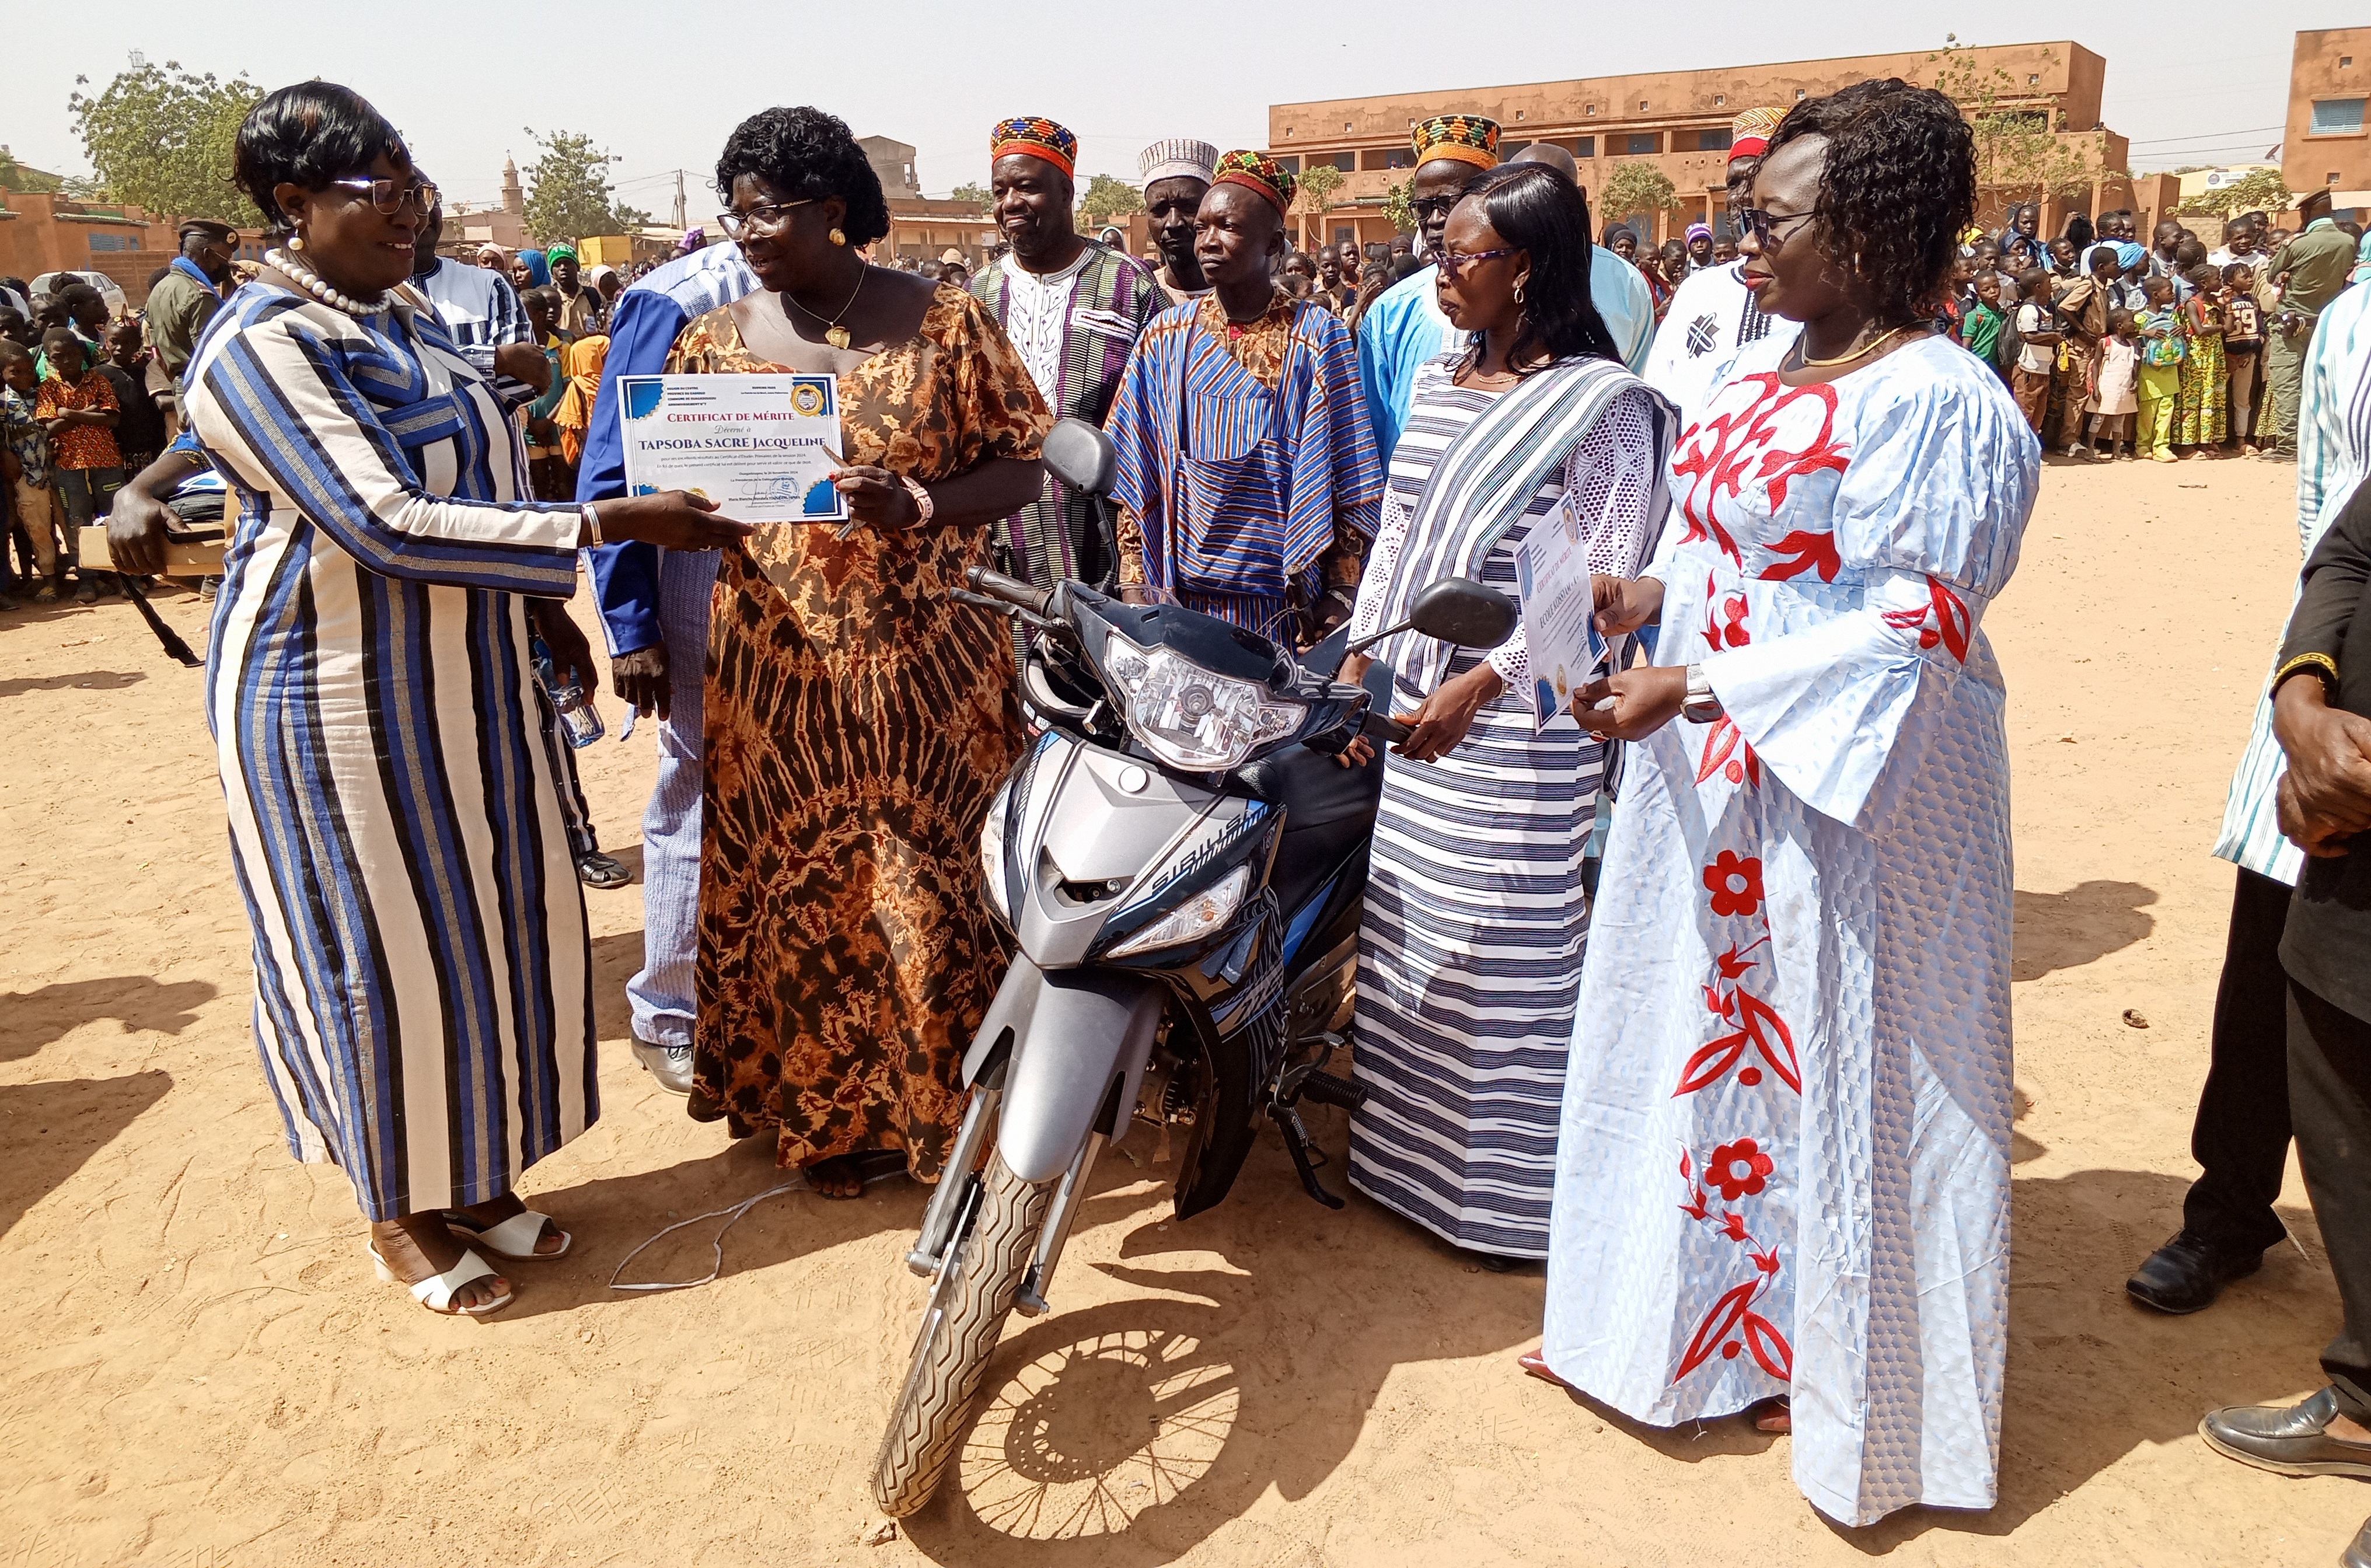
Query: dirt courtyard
(203, 1370)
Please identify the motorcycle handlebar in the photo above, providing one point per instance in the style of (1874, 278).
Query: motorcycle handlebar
(1011, 591)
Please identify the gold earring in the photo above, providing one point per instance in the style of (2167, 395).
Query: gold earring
(838, 237)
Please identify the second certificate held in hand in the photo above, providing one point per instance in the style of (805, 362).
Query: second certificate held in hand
(763, 447)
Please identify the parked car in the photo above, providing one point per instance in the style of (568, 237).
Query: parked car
(111, 291)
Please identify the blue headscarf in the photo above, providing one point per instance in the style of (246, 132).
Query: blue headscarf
(539, 270)
(2130, 253)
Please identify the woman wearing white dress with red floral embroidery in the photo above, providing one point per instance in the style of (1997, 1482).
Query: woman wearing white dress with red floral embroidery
(1783, 1168)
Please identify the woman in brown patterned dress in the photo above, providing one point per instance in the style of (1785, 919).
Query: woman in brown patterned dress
(858, 720)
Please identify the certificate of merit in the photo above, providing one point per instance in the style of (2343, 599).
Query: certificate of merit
(1560, 631)
(762, 447)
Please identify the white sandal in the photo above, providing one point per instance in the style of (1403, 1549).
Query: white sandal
(513, 1239)
(436, 1291)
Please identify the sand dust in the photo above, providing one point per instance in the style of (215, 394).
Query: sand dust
(201, 1369)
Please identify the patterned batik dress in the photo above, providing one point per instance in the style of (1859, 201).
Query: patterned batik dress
(424, 990)
(1470, 945)
(2202, 417)
(858, 722)
(1784, 1158)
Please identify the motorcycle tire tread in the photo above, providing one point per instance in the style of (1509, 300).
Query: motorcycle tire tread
(938, 1393)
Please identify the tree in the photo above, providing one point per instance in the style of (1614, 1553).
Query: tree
(631, 218)
(568, 189)
(161, 137)
(2019, 153)
(979, 195)
(14, 175)
(1108, 196)
(1399, 208)
(1636, 187)
(2258, 190)
(1318, 183)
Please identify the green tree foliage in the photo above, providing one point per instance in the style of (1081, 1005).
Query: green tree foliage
(2019, 154)
(14, 175)
(1318, 184)
(979, 195)
(631, 218)
(1106, 198)
(568, 192)
(161, 137)
(1634, 188)
(1398, 208)
(2260, 189)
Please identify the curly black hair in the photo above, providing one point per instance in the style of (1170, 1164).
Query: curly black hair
(1896, 190)
(809, 153)
(307, 135)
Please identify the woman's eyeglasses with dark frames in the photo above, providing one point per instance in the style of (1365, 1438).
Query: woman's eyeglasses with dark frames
(1763, 224)
(765, 218)
(389, 195)
(1453, 263)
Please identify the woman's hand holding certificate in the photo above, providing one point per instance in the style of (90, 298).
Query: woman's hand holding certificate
(675, 518)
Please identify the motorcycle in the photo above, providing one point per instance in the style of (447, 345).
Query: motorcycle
(1180, 858)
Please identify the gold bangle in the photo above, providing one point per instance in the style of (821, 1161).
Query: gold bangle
(2321, 664)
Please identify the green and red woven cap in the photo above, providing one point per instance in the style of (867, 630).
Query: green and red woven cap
(1038, 137)
(1256, 171)
(1468, 138)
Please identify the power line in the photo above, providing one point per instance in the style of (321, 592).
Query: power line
(2211, 135)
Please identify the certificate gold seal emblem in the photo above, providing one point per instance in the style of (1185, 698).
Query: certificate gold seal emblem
(806, 401)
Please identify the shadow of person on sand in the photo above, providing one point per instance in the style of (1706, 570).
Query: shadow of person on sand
(1125, 1432)
(48, 1130)
(92, 680)
(2088, 921)
(31, 1019)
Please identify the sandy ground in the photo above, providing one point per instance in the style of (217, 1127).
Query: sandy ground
(201, 1369)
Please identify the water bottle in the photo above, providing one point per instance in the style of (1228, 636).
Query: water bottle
(580, 721)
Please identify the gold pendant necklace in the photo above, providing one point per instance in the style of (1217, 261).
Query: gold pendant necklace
(1805, 362)
(833, 332)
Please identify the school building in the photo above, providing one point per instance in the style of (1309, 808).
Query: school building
(1679, 122)
(43, 232)
(2325, 142)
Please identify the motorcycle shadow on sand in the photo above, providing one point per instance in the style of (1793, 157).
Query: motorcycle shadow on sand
(1186, 1368)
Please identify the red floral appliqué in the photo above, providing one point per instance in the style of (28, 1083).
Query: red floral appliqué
(1803, 551)
(1953, 625)
(1724, 453)
(1758, 1026)
(1738, 1169)
(1735, 884)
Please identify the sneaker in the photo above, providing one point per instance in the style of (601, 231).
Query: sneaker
(2079, 450)
(47, 594)
(670, 1064)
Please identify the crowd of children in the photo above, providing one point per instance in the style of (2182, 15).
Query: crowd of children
(2113, 348)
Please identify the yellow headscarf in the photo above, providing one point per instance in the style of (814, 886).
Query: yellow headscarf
(580, 361)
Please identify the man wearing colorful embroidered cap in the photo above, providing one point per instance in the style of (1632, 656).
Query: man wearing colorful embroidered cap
(1248, 479)
(1713, 315)
(1405, 326)
(1074, 307)
(1176, 175)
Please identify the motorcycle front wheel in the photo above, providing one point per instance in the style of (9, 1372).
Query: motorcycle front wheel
(995, 1237)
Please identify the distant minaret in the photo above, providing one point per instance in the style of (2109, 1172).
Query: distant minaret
(513, 199)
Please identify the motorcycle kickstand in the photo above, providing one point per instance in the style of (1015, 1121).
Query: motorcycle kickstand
(1296, 1143)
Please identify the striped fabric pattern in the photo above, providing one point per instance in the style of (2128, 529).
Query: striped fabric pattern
(1469, 949)
(2334, 456)
(424, 1002)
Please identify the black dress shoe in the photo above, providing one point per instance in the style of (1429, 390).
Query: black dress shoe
(2187, 1274)
(2286, 1440)
(671, 1064)
(2358, 1550)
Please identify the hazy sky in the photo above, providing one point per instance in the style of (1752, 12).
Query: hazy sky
(2190, 80)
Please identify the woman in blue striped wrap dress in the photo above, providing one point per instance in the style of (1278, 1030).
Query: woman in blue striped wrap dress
(1470, 951)
(423, 988)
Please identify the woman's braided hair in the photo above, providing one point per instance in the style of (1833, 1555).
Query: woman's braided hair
(1898, 187)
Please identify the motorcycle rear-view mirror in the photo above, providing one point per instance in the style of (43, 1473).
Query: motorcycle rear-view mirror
(1081, 456)
(1461, 611)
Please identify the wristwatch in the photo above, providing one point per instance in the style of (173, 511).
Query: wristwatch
(1700, 706)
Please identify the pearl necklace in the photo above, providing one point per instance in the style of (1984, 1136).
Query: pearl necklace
(310, 282)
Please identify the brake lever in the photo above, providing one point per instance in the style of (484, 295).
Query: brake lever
(999, 608)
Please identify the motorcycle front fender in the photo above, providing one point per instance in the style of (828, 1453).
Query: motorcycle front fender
(1078, 1040)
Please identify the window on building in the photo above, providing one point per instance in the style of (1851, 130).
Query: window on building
(1289, 165)
(2333, 178)
(1578, 146)
(2034, 78)
(2344, 61)
(2337, 117)
(1643, 142)
(1642, 106)
(1347, 162)
(1798, 92)
(1714, 141)
(1509, 150)
(101, 239)
(1588, 109)
(1717, 99)
(1346, 125)
(1519, 115)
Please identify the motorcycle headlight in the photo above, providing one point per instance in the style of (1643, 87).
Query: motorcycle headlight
(991, 853)
(1200, 916)
(1190, 717)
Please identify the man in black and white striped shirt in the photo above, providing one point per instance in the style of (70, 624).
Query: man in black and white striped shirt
(481, 314)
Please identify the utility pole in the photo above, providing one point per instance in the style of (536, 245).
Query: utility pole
(677, 220)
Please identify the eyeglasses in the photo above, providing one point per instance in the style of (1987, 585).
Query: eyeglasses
(1763, 225)
(1453, 263)
(389, 195)
(764, 218)
(1432, 207)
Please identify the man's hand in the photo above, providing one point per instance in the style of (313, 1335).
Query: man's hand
(523, 361)
(1319, 620)
(2328, 788)
(640, 679)
(572, 652)
(1444, 717)
(1645, 699)
(1625, 604)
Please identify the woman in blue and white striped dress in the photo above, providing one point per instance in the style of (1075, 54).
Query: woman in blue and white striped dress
(1470, 952)
(423, 982)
